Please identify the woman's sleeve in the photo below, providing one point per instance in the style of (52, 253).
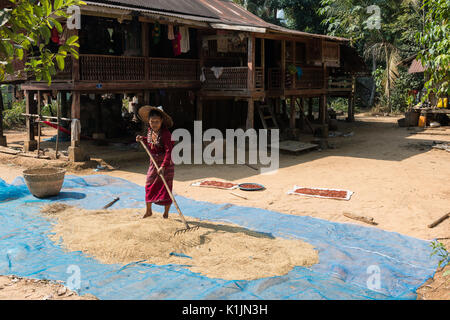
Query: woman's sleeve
(168, 146)
(145, 139)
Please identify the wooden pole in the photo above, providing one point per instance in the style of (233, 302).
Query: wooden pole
(146, 52)
(283, 64)
(199, 111)
(294, 51)
(39, 122)
(323, 109)
(2, 137)
(306, 119)
(75, 62)
(76, 108)
(292, 113)
(263, 62)
(58, 115)
(30, 144)
(438, 221)
(251, 63)
(250, 114)
(310, 108)
(165, 184)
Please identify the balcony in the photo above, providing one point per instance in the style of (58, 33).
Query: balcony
(232, 79)
(311, 78)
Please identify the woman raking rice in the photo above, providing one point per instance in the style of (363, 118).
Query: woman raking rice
(160, 144)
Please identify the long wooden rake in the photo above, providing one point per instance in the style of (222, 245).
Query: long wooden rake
(188, 228)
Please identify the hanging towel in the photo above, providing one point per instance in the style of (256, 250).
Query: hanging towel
(202, 76)
(222, 45)
(75, 129)
(170, 34)
(299, 72)
(205, 45)
(217, 71)
(156, 33)
(55, 35)
(176, 45)
(185, 45)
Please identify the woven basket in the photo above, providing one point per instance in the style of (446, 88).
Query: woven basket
(44, 182)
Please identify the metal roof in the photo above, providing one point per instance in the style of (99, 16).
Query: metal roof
(416, 67)
(190, 7)
(215, 12)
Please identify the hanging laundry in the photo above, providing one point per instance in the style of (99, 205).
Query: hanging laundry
(176, 44)
(202, 76)
(63, 37)
(156, 33)
(217, 71)
(299, 72)
(222, 45)
(185, 44)
(170, 34)
(205, 45)
(75, 128)
(55, 35)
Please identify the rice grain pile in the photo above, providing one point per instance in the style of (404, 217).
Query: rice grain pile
(217, 250)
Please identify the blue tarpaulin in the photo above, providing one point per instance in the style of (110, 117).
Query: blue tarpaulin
(356, 262)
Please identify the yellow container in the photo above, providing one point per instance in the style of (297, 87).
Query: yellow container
(442, 104)
(422, 121)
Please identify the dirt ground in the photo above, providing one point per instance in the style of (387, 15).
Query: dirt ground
(397, 178)
(16, 288)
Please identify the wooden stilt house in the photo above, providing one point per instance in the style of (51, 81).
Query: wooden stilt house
(208, 60)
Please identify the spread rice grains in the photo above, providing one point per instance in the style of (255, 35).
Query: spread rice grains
(216, 250)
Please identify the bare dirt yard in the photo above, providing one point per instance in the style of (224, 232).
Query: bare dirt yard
(398, 179)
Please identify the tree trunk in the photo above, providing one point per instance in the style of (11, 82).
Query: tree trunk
(388, 79)
(374, 85)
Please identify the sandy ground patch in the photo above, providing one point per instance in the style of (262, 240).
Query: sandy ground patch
(398, 179)
(216, 250)
(16, 288)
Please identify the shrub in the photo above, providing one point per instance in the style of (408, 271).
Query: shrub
(13, 118)
(442, 253)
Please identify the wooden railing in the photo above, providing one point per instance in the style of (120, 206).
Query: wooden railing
(17, 66)
(259, 78)
(339, 83)
(232, 78)
(66, 73)
(107, 68)
(274, 78)
(311, 78)
(173, 69)
(121, 68)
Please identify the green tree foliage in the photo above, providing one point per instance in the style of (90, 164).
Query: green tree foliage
(26, 28)
(300, 14)
(435, 46)
(387, 43)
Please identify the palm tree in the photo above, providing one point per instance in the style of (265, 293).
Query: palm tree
(390, 54)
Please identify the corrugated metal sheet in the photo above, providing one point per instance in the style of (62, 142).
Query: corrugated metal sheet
(416, 67)
(211, 11)
(231, 13)
(150, 12)
(191, 7)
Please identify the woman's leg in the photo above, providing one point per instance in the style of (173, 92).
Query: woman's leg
(148, 212)
(166, 211)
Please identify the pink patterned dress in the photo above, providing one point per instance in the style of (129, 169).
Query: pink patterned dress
(155, 191)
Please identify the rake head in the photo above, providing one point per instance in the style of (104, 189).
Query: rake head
(188, 229)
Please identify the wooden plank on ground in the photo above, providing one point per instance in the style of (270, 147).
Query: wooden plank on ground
(368, 220)
(438, 221)
(296, 146)
(8, 150)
